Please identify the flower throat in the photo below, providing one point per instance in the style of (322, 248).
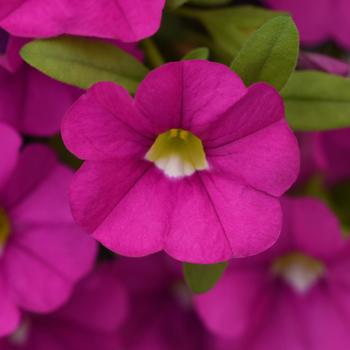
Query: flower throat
(178, 153)
(5, 228)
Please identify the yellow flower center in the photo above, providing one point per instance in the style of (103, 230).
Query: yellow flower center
(300, 271)
(5, 228)
(178, 153)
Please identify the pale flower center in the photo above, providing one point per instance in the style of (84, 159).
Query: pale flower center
(178, 153)
(5, 228)
(301, 272)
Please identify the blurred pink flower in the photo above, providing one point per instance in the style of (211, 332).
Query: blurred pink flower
(294, 296)
(316, 61)
(125, 20)
(325, 153)
(89, 320)
(161, 313)
(193, 165)
(30, 101)
(43, 253)
(318, 20)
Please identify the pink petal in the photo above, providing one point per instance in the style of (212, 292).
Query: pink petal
(138, 223)
(313, 19)
(121, 19)
(259, 108)
(10, 142)
(187, 94)
(11, 60)
(8, 6)
(217, 218)
(104, 124)
(46, 249)
(335, 148)
(315, 229)
(33, 103)
(325, 321)
(316, 61)
(282, 327)
(50, 259)
(99, 186)
(227, 309)
(45, 202)
(340, 23)
(154, 273)
(35, 163)
(100, 294)
(267, 160)
(9, 315)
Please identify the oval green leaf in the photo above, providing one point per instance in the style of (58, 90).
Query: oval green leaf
(201, 278)
(201, 53)
(317, 101)
(82, 62)
(270, 54)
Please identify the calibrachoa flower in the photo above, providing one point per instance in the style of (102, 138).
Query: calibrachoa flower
(161, 316)
(43, 253)
(294, 296)
(318, 21)
(193, 165)
(125, 20)
(30, 101)
(89, 320)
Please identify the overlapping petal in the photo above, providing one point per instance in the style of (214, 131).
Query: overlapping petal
(227, 309)
(188, 95)
(125, 20)
(104, 124)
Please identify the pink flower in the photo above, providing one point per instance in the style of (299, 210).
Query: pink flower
(194, 165)
(30, 101)
(161, 316)
(125, 20)
(89, 320)
(43, 253)
(318, 20)
(294, 296)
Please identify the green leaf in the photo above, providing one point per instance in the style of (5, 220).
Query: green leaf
(230, 27)
(82, 62)
(201, 53)
(174, 4)
(270, 54)
(201, 278)
(317, 101)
